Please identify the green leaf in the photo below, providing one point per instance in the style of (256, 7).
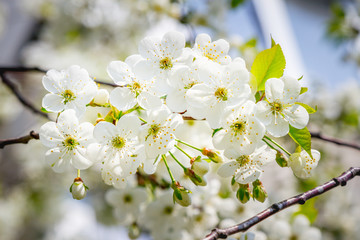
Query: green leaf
(303, 90)
(269, 63)
(273, 43)
(215, 131)
(44, 110)
(309, 109)
(302, 137)
(236, 3)
(301, 78)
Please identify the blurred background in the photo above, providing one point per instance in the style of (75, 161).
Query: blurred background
(320, 40)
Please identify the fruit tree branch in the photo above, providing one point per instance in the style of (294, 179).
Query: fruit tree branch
(277, 207)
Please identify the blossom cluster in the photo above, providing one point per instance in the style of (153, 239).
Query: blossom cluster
(159, 90)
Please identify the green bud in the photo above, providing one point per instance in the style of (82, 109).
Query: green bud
(78, 189)
(134, 231)
(199, 166)
(196, 179)
(259, 192)
(212, 155)
(281, 159)
(243, 193)
(181, 195)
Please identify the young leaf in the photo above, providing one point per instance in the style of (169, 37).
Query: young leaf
(302, 137)
(309, 109)
(269, 63)
(303, 90)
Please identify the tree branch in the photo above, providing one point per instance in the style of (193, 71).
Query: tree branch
(335, 141)
(24, 139)
(277, 207)
(19, 96)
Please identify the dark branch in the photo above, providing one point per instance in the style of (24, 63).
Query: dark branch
(24, 139)
(276, 207)
(335, 141)
(19, 96)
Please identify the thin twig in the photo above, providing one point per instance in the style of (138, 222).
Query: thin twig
(24, 139)
(276, 207)
(20, 97)
(335, 141)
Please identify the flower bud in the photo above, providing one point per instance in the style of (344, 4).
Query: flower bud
(281, 159)
(196, 179)
(134, 231)
(259, 192)
(212, 155)
(102, 97)
(78, 189)
(243, 193)
(200, 167)
(181, 195)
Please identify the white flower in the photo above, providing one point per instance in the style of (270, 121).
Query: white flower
(280, 108)
(246, 168)
(214, 51)
(128, 203)
(118, 148)
(302, 164)
(158, 135)
(69, 89)
(133, 89)
(221, 87)
(67, 140)
(159, 57)
(183, 78)
(241, 129)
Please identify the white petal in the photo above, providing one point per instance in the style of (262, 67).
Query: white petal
(215, 114)
(129, 126)
(52, 81)
(291, 89)
(148, 101)
(79, 159)
(173, 44)
(202, 40)
(104, 131)
(50, 135)
(176, 101)
(247, 175)
(200, 95)
(53, 103)
(87, 93)
(150, 166)
(57, 160)
(149, 48)
(274, 89)
(297, 116)
(84, 133)
(144, 69)
(279, 127)
(123, 98)
(264, 112)
(67, 122)
(95, 152)
(221, 139)
(228, 169)
(120, 72)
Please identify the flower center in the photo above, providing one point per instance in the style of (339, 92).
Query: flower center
(276, 107)
(243, 160)
(135, 88)
(68, 96)
(166, 63)
(221, 93)
(70, 143)
(238, 127)
(118, 142)
(127, 198)
(154, 129)
(168, 210)
(190, 85)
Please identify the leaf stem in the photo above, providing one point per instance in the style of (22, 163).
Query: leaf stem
(182, 150)
(178, 162)
(278, 145)
(168, 169)
(189, 145)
